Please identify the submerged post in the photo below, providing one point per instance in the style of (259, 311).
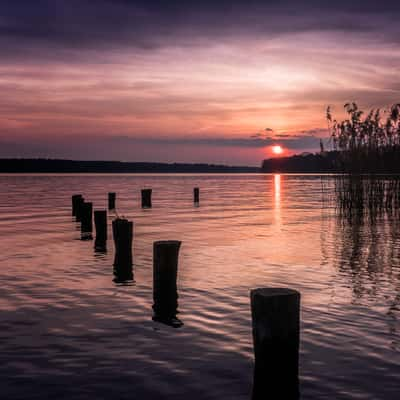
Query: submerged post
(123, 237)
(78, 208)
(111, 201)
(100, 223)
(86, 220)
(146, 198)
(196, 195)
(75, 201)
(276, 333)
(165, 292)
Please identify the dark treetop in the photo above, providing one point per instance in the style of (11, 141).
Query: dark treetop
(69, 166)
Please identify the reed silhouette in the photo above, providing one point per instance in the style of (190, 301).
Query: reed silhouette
(365, 235)
(368, 155)
(371, 195)
(367, 145)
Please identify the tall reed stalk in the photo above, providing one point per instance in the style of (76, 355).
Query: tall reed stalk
(369, 157)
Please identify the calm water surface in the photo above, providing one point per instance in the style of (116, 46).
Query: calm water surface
(68, 331)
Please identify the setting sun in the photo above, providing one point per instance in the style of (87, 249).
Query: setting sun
(277, 149)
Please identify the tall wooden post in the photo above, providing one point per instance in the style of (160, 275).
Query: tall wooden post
(86, 220)
(100, 223)
(276, 334)
(165, 292)
(146, 198)
(111, 201)
(78, 208)
(123, 259)
(196, 195)
(75, 201)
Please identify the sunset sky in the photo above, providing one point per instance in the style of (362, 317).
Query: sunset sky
(188, 81)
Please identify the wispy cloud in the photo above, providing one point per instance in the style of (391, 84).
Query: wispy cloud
(49, 26)
(189, 74)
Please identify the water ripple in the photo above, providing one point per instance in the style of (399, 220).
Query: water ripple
(68, 331)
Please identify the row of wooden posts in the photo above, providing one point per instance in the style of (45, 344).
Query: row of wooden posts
(83, 211)
(165, 254)
(146, 198)
(275, 311)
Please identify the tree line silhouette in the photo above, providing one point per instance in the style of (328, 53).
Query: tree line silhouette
(361, 145)
(17, 165)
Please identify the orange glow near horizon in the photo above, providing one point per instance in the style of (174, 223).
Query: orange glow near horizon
(277, 149)
(257, 98)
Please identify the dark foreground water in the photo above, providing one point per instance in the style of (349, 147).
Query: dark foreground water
(68, 331)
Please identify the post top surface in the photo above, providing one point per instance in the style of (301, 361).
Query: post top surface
(167, 243)
(121, 221)
(272, 292)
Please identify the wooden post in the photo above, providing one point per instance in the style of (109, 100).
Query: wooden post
(86, 221)
(276, 331)
(196, 195)
(75, 201)
(100, 223)
(165, 292)
(123, 260)
(123, 237)
(146, 198)
(111, 201)
(123, 275)
(78, 208)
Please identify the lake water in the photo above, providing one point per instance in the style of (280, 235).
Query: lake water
(68, 331)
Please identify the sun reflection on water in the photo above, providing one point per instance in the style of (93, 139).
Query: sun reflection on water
(277, 200)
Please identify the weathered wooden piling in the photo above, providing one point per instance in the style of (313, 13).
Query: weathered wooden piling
(75, 201)
(276, 334)
(123, 237)
(123, 275)
(196, 195)
(78, 208)
(100, 223)
(146, 198)
(165, 292)
(111, 201)
(87, 220)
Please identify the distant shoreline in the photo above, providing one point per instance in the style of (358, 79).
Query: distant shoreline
(40, 165)
(385, 161)
(306, 163)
